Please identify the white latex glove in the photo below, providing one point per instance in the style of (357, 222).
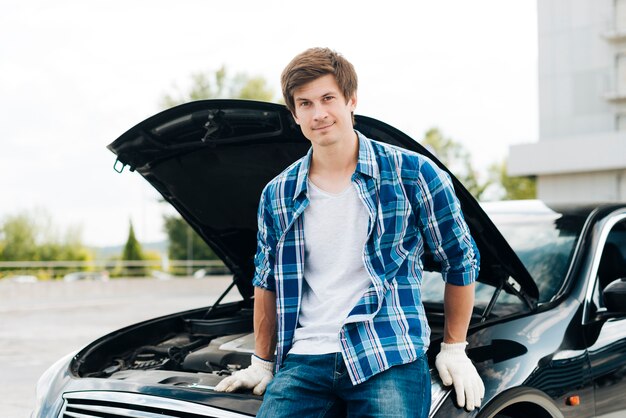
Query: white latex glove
(456, 368)
(255, 377)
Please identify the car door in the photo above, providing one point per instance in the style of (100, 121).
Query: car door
(607, 330)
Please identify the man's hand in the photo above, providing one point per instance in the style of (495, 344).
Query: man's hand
(456, 368)
(255, 377)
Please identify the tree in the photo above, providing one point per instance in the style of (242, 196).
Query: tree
(19, 237)
(184, 243)
(220, 85)
(458, 160)
(255, 88)
(31, 236)
(133, 252)
(522, 187)
(132, 249)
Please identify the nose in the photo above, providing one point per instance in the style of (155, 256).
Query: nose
(320, 112)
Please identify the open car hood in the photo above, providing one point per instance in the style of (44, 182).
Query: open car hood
(210, 159)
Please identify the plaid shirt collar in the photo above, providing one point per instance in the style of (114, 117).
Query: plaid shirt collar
(366, 165)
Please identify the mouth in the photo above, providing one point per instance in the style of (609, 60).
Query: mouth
(322, 127)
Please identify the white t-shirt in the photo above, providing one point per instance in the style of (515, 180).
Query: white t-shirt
(335, 278)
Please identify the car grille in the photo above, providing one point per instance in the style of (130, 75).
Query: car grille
(104, 404)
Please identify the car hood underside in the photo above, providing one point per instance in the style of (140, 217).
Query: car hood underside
(210, 159)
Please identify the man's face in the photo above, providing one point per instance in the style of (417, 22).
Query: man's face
(322, 111)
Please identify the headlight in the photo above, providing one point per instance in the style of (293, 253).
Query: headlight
(46, 382)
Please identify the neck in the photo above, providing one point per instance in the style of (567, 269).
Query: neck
(339, 157)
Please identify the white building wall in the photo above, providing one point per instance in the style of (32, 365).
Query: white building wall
(604, 186)
(573, 154)
(581, 153)
(575, 67)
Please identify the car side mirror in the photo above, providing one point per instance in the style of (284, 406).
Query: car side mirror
(614, 296)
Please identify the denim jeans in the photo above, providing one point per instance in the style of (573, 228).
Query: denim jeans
(319, 386)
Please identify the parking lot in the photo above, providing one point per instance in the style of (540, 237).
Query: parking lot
(40, 322)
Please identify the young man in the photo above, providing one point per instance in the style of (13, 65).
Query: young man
(339, 265)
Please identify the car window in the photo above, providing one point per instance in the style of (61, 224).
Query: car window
(433, 287)
(612, 261)
(545, 252)
(543, 240)
(544, 243)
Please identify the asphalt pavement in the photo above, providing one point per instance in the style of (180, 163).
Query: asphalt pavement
(41, 322)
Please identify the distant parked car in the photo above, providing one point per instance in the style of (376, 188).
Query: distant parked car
(548, 334)
(101, 276)
(22, 278)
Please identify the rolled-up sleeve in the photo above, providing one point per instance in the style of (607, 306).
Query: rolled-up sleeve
(444, 228)
(266, 245)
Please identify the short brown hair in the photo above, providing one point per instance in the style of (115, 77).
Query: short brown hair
(313, 64)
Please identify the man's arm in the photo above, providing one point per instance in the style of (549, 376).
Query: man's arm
(448, 236)
(264, 323)
(454, 367)
(458, 303)
(261, 370)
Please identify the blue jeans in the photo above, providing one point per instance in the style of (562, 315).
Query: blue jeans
(319, 386)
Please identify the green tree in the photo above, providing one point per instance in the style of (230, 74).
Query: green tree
(133, 252)
(220, 85)
(522, 187)
(31, 236)
(458, 160)
(255, 88)
(68, 246)
(19, 237)
(132, 248)
(184, 243)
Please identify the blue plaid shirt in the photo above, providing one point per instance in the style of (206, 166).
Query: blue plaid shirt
(411, 203)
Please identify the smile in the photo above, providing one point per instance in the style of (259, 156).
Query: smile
(319, 128)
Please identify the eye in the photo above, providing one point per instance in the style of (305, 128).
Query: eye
(303, 104)
(328, 98)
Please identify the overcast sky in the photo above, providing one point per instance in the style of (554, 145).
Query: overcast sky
(77, 74)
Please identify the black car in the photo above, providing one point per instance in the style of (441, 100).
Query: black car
(548, 334)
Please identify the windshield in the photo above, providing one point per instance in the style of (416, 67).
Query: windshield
(543, 239)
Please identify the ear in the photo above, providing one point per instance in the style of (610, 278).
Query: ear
(352, 102)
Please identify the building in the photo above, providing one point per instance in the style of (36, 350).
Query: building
(581, 152)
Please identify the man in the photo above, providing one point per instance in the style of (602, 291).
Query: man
(339, 265)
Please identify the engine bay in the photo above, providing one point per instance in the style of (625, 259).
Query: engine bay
(186, 353)
(197, 347)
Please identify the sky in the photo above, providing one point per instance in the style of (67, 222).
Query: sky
(74, 75)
